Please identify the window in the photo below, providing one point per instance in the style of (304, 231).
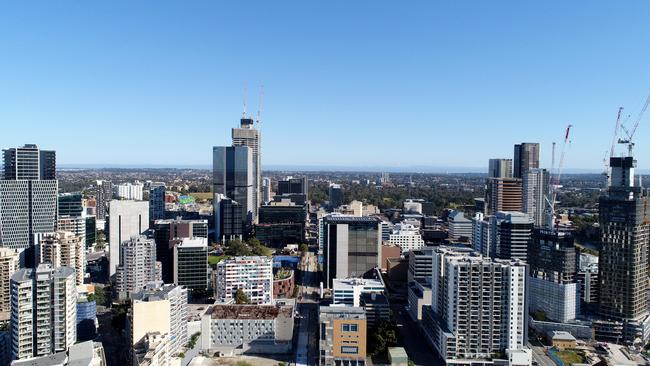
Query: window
(353, 328)
(345, 327)
(349, 350)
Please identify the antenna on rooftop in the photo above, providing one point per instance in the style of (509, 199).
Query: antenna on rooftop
(245, 97)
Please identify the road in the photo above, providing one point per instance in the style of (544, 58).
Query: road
(539, 354)
(306, 352)
(412, 339)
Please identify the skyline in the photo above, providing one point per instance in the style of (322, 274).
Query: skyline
(459, 78)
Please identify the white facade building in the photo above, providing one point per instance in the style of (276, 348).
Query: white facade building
(535, 190)
(126, 219)
(253, 275)
(348, 291)
(412, 206)
(46, 297)
(128, 191)
(459, 225)
(138, 266)
(407, 237)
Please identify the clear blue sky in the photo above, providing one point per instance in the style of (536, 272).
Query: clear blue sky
(357, 83)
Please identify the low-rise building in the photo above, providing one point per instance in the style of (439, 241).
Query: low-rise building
(235, 329)
(87, 353)
(284, 282)
(407, 237)
(561, 340)
(348, 291)
(342, 336)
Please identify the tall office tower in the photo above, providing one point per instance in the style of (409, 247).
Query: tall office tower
(526, 158)
(126, 219)
(228, 222)
(250, 137)
(503, 194)
(343, 336)
(253, 275)
(623, 259)
(29, 163)
(43, 311)
(266, 190)
(138, 265)
(500, 168)
(335, 195)
(535, 192)
(64, 249)
(553, 282)
(103, 195)
(70, 204)
(233, 168)
(459, 225)
(28, 207)
(505, 235)
(351, 246)
(191, 263)
(478, 307)
(91, 231)
(128, 191)
(159, 308)
(157, 201)
(167, 234)
(9, 263)
(293, 186)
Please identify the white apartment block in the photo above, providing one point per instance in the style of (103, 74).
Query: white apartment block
(128, 191)
(412, 206)
(138, 265)
(407, 237)
(535, 190)
(504, 235)
(348, 291)
(64, 249)
(160, 308)
(254, 275)
(73, 224)
(478, 306)
(153, 350)
(43, 311)
(9, 264)
(459, 225)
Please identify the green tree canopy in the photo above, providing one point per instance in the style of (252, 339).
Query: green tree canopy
(241, 298)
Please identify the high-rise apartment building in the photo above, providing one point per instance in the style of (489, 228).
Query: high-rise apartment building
(335, 195)
(64, 249)
(247, 135)
(503, 194)
(43, 311)
(233, 177)
(351, 246)
(128, 191)
(505, 235)
(500, 168)
(126, 219)
(526, 157)
(103, 195)
(29, 163)
(623, 261)
(168, 233)
(9, 263)
(478, 307)
(138, 265)
(342, 336)
(159, 308)
(73, 224)
(253, 275)
(191, 263)
(156, 201)
(535, 193)
(266, 190)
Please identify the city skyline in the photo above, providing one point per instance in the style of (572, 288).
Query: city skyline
(459, 78)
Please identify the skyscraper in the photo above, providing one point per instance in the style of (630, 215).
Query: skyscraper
(9, 264)
(526, 158)
(503, 194)
(248, 136)
(103, 195)
(64, 249)
(233, 176)
(191, 263)
(126, 219)
(623, 260)
(44, 311)
(293, 185)
(228, 222)
(29, 163)
(138, 265)
(335, 195)
(266, 190)
(167, 234)
(535, 192)
(28, 198)
(156, 201)
(500, 168)
(505, 235)
(70, 204)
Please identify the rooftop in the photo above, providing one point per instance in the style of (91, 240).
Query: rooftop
(342, 311)
(344, 219)
(249, 312)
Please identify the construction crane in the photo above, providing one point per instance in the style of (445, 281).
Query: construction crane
(630, 133)
(554, 182)
(260, 105)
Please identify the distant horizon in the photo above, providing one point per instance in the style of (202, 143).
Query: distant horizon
(326, 168)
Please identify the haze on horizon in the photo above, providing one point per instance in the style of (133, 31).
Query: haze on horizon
(346, 84)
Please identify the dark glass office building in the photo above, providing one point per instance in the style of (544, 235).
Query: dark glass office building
(70, 204)
(293, 185)
(191, 264)
(168, 233)
(233, 177)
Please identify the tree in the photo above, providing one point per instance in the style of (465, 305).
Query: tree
(99, 296)
(382, 336)
(237, 248)
(241, 298)
(258, 249)
(304, 248)
(100, 243)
